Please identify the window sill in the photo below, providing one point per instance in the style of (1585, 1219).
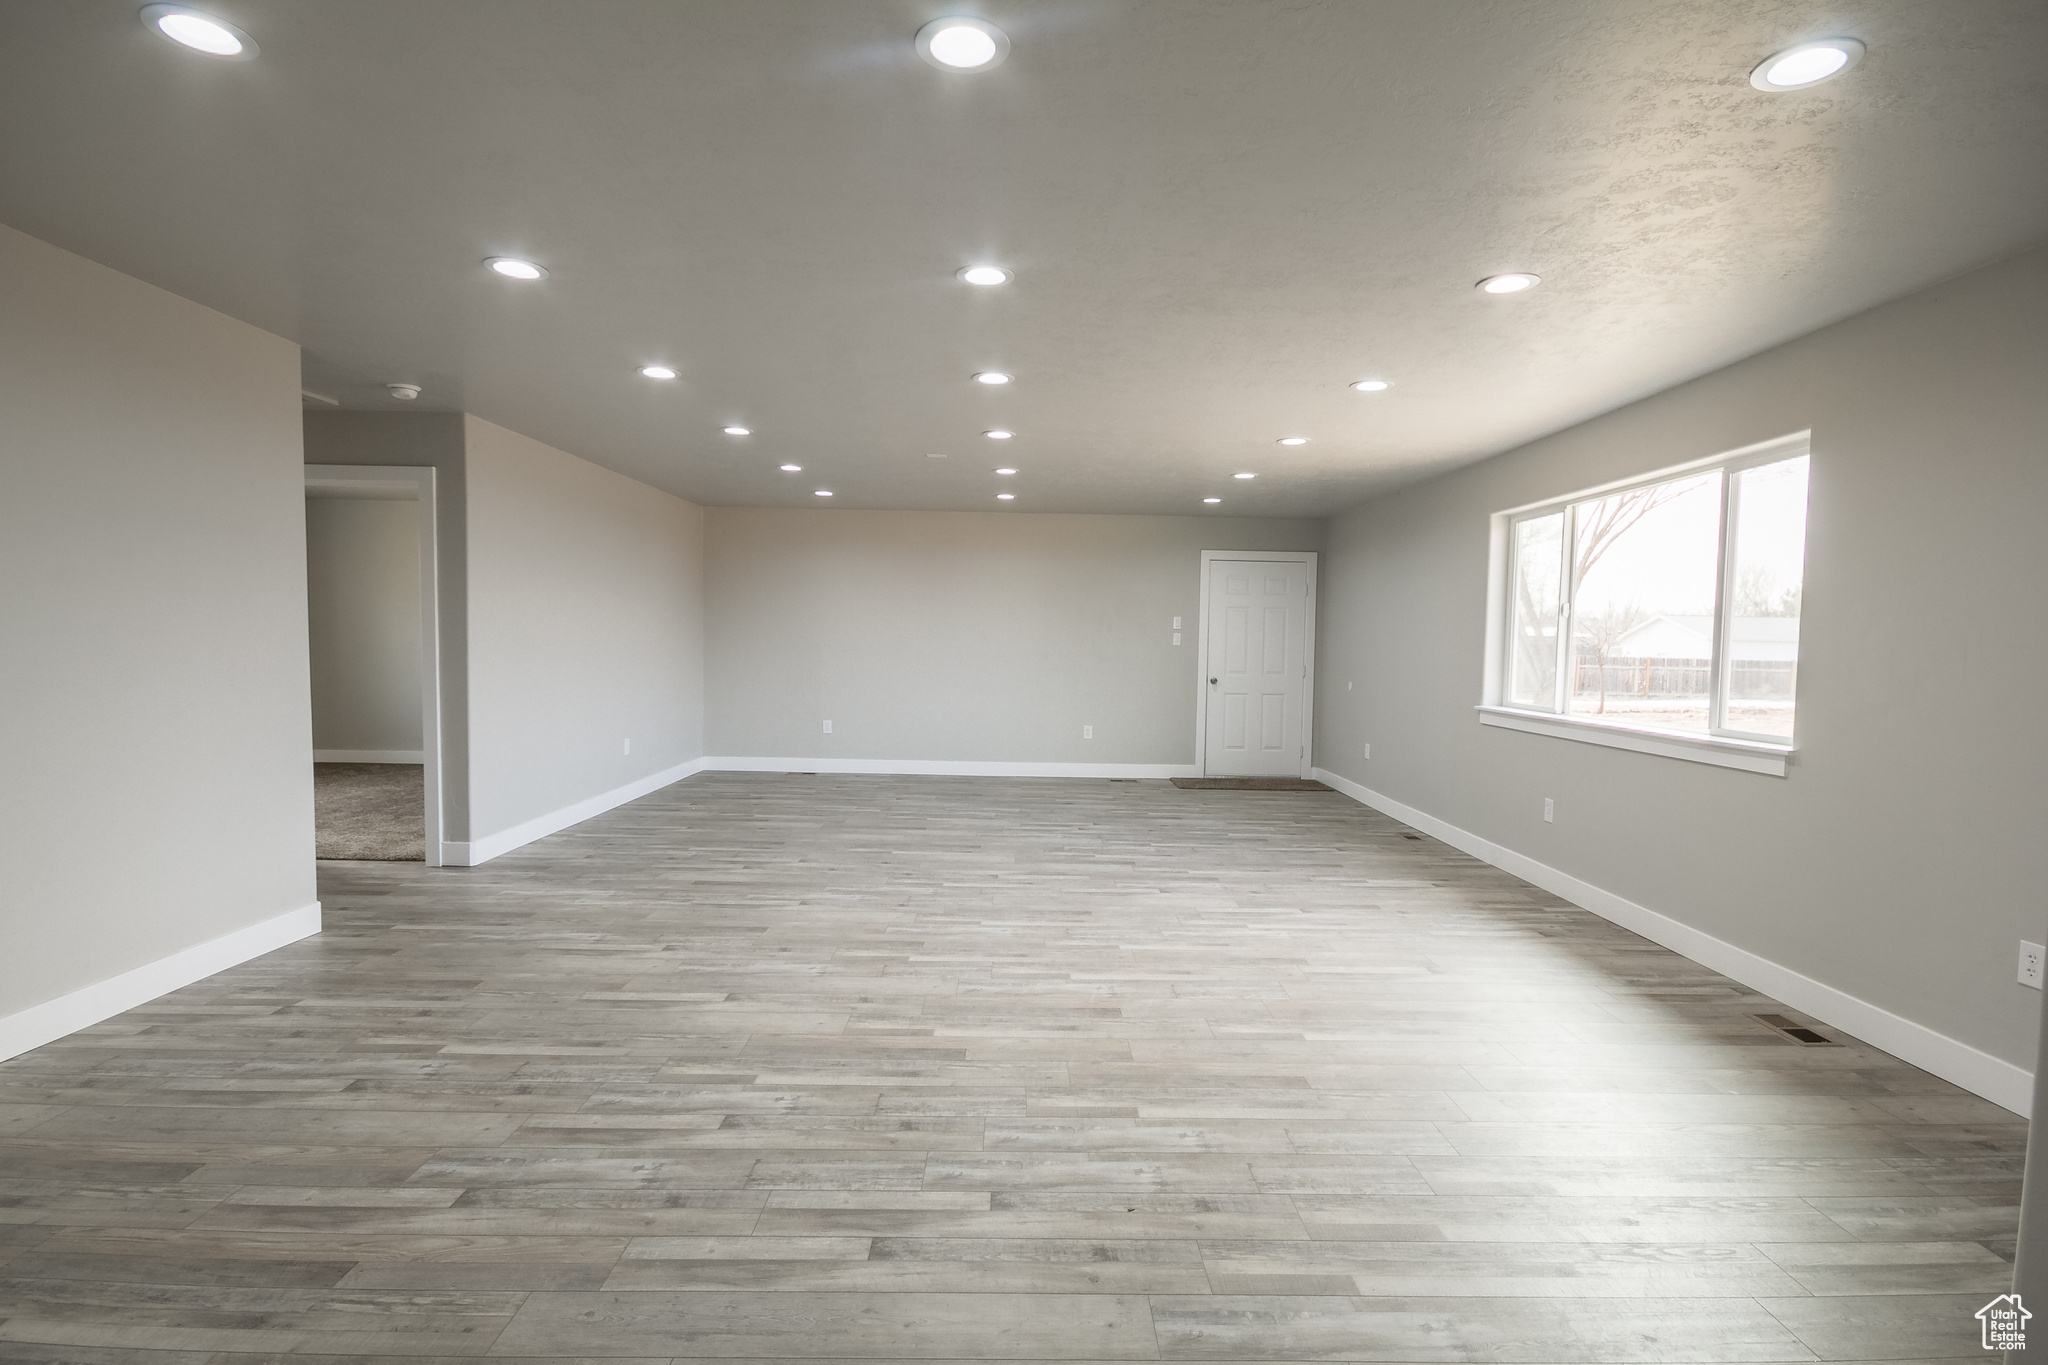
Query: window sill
(1769, 759)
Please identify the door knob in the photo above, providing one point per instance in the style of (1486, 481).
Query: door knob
(1212, 682)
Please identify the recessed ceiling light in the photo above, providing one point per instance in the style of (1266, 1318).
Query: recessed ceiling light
(1244, 476)
(200, 31)
(512, 268)
(1371, 385)
(792, 469)
(737, 431)
(1005, 497)
(823, 493)
(1006, 470)
(991, 377)
(657, 372)
(985, 274)
(1512, 283)
(999, 435)
(962, 44)
(1294, 440)
(1807, 64)
(1212, 500)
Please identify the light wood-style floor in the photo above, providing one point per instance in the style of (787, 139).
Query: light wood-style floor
(869, 1068)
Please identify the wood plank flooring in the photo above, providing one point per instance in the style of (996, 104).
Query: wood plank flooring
(872, 1068)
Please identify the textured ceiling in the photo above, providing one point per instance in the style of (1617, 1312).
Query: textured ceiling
(1220, 212)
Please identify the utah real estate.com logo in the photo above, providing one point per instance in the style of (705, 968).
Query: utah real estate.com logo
(2005, 1323)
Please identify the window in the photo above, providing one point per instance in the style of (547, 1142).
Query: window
(1668, 606)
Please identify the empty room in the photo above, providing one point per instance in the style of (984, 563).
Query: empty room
(1046, 680)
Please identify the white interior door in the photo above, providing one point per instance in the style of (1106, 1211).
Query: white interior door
(1257, 678)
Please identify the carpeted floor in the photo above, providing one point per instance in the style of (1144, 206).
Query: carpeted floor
(1249, 784)
(370, 812)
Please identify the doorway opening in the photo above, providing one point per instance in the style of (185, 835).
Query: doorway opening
(1256, 693)
(374, 644)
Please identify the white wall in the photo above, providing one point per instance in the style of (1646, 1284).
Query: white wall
(1902, 860)
(154, 736)
(363, 610)
(961, 636)
(586, 629)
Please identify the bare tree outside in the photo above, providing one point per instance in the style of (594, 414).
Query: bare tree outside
(1604, 522)
(1539, 555)
(1642, 566)
(1599, 635)
(1757, 593)
(1600, 525)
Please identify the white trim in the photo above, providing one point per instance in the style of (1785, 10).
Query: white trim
(1725, 753)
(420, 483)
(939, 767)
(1724, 616)
(1308, 655)
(1954, 1061)
(89, 1005)
(504, 841)
(369, 756)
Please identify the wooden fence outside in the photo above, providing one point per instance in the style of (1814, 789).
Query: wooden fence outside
(1749, 679)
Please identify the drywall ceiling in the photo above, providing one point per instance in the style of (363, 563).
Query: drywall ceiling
(1220, 212)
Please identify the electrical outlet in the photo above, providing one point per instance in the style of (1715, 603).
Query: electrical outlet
(1087, 732)
(1368, 751)
(2032, 955)
(1176, 637)
(1549, 811)
(828, 727)
(629, 746)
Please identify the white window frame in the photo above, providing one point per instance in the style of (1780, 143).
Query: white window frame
(1721, 745)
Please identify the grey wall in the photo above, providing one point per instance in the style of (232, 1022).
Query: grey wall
(964, 636)
(363, 615)
(423, 440)
(1902, 859)
(152, 545)
(586, 628)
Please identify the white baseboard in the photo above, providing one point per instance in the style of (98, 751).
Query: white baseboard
(939, 767)
(482, 850)
(1954, 1061)
(369, 756)
(67, 1014)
